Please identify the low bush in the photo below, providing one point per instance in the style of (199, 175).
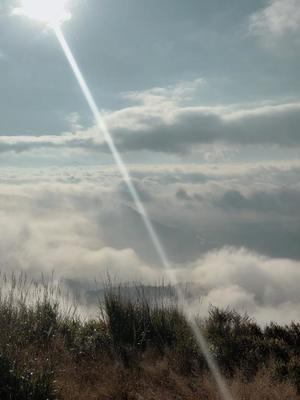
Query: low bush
(19, 383)
(43, 349)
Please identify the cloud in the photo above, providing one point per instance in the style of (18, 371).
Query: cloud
(7, 6)
(240, 250)
(182, 194)
(283, 201)
(278, 18)
(173, 94)
(162, 122)
(194, 209)
(90, 140)
(74, 121)
(36, 241)
(126, 196)
(264, 287)
(281, 18)
(178, 129)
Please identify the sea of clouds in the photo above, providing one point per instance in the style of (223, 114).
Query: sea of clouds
(231, 229)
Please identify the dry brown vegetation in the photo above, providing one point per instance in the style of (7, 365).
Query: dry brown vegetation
(136, 350)
(157, 381)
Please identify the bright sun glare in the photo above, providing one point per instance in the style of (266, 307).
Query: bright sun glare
(52, 12)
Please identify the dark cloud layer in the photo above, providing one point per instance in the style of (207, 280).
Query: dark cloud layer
(163, 128)
(189, 127)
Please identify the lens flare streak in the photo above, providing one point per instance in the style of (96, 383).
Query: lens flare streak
(222, 386)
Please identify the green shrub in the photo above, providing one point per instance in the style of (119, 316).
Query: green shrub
(236, 342)
(86, 340)
(19, 384)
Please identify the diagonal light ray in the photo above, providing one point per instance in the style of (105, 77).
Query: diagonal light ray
(222, 386)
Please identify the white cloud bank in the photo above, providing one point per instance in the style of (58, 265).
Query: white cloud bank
(80, 224)
(266, 288)
(278, 18)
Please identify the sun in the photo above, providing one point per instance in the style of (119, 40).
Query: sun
(52, 12)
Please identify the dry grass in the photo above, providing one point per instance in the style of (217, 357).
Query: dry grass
(263, 387)
(136, 351)
(156, 381)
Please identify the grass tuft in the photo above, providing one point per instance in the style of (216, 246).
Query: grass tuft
(137, 348)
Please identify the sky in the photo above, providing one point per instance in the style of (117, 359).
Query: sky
(203, 102)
